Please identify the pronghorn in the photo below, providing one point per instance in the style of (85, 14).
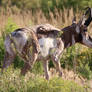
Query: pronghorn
(51, 46)
(21, 40)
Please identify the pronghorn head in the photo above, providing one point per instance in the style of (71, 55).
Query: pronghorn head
(76, 33)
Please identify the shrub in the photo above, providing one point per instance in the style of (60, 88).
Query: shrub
(84, 70)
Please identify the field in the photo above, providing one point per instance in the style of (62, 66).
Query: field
(76, 59)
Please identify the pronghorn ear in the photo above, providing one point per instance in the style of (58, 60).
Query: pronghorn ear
(81, 21)
(89, 13)
(74, 20)
(65, 28)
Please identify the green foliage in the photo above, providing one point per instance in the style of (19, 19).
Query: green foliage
(11, 81)
(1, 51)
(10, 26)
(85, 71)
(69, 55)
(37, 68)
(81, 61)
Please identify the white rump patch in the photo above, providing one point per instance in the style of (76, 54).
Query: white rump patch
(46, 44)
(20, 41)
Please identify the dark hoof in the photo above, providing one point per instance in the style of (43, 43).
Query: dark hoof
(60, 74)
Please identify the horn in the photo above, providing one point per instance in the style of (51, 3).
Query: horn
(89, 19)
(81, 20)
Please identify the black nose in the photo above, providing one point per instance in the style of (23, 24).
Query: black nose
(85, 30)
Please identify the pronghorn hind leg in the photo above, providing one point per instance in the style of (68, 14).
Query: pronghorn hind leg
(57, 65)
(8, 59)
(32, 57)
(56, 60)
(29, 60)
(25, 68)
(29, 64)
(10, 54)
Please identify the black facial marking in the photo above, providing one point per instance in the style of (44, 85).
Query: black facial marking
(85, 30)
(20, 29)
(80, 37)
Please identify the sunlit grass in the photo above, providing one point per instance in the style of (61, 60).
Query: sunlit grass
(12, 81)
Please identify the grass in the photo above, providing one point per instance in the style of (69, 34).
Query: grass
(12, 81)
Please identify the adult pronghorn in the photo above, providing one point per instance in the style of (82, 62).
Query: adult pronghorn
(51, 46)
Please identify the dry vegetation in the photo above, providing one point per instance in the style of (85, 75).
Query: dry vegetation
(59, 19)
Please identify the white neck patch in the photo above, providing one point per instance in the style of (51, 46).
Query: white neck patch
(46, 44)
(77, 29)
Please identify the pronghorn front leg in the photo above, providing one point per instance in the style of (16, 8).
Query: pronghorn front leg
(28, 64)
(30, 53)
(56, 62)
(56, 56)
(45, 66)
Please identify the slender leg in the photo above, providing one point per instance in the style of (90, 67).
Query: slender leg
(28, 65)
(45, 66)
(56, 61)
(58, 66)
(8, 59)
(25, 68)
(9, 53)
(56, 56)
(30, 59)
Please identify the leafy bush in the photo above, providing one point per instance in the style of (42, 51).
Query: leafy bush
(37, 68)
(10, 26)
(78, 58)
(85, 71)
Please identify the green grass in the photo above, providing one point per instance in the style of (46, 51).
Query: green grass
(12, 81)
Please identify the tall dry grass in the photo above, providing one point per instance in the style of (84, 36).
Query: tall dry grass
(59, 19)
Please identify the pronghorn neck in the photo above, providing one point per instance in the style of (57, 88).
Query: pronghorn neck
(68, 39)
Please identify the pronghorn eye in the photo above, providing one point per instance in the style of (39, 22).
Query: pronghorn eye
(85, 30)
